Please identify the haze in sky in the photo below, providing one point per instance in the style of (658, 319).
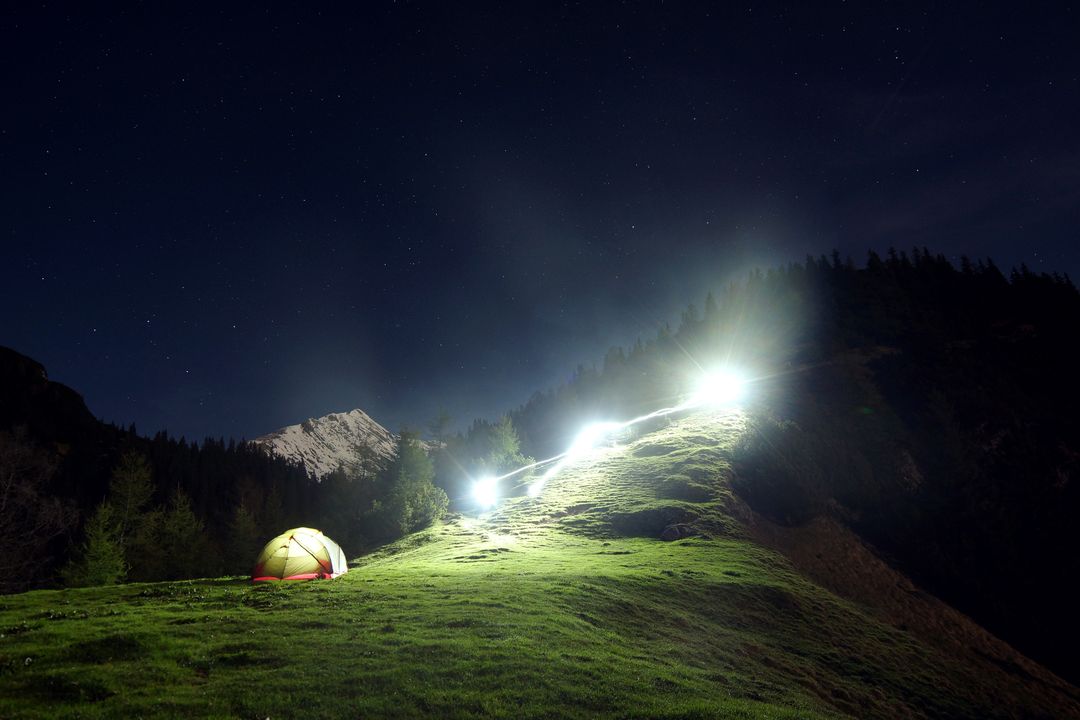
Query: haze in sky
(222, 223)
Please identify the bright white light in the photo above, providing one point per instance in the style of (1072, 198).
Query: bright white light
(485, 492)
(719, 389)
(592, 436)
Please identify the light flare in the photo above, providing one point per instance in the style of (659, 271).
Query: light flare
(485, 492)
(719, 389)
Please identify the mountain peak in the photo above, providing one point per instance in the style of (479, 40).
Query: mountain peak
(323, 444)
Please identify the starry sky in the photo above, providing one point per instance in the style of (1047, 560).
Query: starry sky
(221, 221)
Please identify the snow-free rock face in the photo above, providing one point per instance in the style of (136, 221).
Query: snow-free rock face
(349, 439)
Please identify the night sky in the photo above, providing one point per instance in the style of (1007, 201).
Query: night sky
(222, 222)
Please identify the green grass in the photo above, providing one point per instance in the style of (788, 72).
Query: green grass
(563, 606)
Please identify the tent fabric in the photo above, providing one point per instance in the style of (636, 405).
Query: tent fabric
(300, 554)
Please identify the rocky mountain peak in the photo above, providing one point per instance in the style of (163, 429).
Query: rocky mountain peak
(323, 444)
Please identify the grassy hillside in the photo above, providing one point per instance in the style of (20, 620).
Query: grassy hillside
(568, 605)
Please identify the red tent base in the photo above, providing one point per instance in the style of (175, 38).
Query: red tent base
(305, 576)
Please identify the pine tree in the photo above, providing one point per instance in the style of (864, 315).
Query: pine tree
(130, 490)
(412, 500)
(505, 453)
(183, 541)
(341, 501)
(272, 521)
(144, 549)
(245, 541)
(439, 427)
(100, 560)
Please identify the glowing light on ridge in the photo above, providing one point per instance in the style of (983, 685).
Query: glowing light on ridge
(717, 389)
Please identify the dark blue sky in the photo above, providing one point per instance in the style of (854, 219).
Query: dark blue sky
(223, 221)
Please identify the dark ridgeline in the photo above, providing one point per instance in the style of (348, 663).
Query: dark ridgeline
(929, 406)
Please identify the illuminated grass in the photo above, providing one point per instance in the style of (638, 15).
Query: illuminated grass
(552, 607)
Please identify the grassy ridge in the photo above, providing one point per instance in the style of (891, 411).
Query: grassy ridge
(562, 606)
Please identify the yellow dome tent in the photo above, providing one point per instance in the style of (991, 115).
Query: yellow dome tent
(300, 554)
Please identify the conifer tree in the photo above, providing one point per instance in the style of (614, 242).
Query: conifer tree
(100, 559)
(183, 541)
(412, 500)
(143, 547)
(439, 427)
(245, 541)
(130, 490)
(505, 453)
(272, 521)
(711, 310)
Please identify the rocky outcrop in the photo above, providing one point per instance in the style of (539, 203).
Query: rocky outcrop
(350, 439)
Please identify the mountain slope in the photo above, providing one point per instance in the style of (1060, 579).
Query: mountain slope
(324, 444)
(564, 605)
(44, 407)
(55, 417)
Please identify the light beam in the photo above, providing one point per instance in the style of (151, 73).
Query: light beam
(591, 436)
(718, 389)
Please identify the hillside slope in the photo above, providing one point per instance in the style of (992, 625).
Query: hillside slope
(566, 605)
